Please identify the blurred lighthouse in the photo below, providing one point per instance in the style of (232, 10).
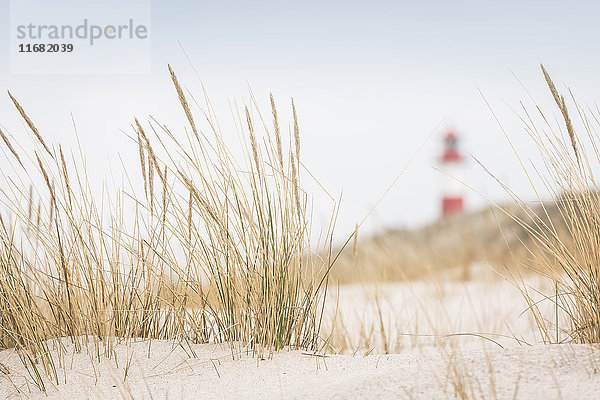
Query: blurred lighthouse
(452, 165)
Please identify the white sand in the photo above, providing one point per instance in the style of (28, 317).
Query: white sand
(423, 369)
(549, 372)
(414, 315)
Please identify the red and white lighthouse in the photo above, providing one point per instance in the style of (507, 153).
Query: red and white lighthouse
(452, 165)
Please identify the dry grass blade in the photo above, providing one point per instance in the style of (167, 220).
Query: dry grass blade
(277, 133)
(30, 124)
(46, 178)
(142, 159)
(253, 143)
(152, 160)
(10, 147)
(65, 175)
(560, 102)
(184, 103)
(296, 133)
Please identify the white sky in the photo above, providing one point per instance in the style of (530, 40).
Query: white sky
(371, 80)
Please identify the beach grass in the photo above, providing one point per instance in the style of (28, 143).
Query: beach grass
(207, 248)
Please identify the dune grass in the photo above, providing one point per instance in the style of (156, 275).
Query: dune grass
(213, 249)
(565, 245)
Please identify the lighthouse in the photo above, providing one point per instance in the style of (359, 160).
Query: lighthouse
(451, 163)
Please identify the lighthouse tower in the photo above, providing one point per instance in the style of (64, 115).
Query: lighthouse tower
(451, 164)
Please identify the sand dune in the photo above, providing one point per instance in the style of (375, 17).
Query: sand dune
(427, 364)
(167, 371)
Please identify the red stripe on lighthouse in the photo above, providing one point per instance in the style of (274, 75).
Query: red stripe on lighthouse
(451, 206)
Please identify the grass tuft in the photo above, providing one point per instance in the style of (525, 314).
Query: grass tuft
(218, 254)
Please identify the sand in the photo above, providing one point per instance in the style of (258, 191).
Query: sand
(414, 315)
(426, 364)
(549, 372)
